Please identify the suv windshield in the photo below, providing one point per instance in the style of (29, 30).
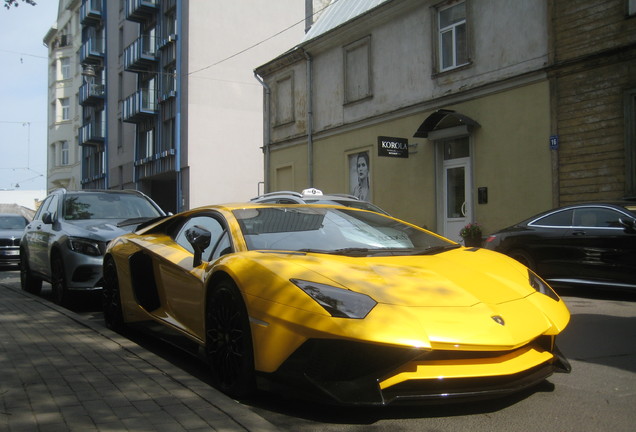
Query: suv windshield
(12, 222)
(338, 231)
(107, 206)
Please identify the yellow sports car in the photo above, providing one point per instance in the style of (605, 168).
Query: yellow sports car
(339, 304)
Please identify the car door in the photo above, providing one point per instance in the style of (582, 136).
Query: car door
(38, 235)
(543, 241)
(606, 251)
(181, 283)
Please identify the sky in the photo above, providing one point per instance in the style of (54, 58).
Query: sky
(23, 94)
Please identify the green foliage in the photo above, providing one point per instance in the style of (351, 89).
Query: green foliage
(16, 3)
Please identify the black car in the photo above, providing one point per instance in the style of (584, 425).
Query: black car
(591, 244)
(11, 229)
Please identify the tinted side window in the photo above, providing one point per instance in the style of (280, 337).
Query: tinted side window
(596, 217)
(558, 219)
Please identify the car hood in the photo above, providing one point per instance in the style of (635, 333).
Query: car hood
(11, 233)
(98, 229)
(458, 278)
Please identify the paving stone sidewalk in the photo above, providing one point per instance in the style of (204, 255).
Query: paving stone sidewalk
(61, 372)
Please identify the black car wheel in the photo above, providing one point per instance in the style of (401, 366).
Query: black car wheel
(111, 299)
(523, 257)
(28, 282)
(229, 341)
(58, 281)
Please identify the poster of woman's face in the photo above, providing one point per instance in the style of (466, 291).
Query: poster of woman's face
(360, 176)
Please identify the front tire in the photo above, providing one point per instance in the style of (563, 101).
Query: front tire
(111, 298)
(28, 282)
(229, 349)
(523, 257)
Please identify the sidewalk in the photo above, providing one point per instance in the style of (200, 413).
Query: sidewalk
(61, 372)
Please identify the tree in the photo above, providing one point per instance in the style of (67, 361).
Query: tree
(9, 3)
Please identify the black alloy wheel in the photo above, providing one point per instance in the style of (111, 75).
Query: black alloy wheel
(58, 281)
(228, 341)
(111, 299)
(28, 282)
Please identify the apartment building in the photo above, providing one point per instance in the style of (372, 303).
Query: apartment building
(64, 112)
(165, 96)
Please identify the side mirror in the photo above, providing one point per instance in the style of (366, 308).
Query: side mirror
(628, 224)
(46, 218)
(199, 238)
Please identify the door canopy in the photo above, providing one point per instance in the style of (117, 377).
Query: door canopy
(448, 121)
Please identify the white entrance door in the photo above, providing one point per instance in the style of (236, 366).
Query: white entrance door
(456, 186)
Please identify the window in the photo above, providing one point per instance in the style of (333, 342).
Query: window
(284, 100)
(64, 153)
(149, 142)
(557, 219)
(594, 217)
(65, 68)
(452, 37)
(631, 7)
(65, 109)
(208, 223)
(357, 69)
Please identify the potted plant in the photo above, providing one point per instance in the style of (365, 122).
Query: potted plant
(471, 234)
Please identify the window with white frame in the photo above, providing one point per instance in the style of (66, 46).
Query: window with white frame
(65, 68)
(64, 106)
(452, 36)
(64, 153)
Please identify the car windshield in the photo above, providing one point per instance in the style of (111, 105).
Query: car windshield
(107, 206)
(336, 231)
(364, 205)
(12, 222)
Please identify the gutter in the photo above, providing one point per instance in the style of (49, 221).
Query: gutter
(310, 121)
(266, 131)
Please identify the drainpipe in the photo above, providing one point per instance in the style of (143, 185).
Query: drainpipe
(177, 122)
(310, 120)
(266, 131)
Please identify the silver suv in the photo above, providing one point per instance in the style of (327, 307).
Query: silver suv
(65, 242)
(315, 196)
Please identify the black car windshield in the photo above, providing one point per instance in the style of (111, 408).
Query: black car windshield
(12, 222)
(331, 230)
(107, 206)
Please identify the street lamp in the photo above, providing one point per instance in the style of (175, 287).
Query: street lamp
(88, 72)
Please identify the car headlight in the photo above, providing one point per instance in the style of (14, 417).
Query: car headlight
(538, 284)
(338, 302)
(84, 246)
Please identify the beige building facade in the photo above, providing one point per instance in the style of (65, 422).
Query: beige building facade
(446, 104)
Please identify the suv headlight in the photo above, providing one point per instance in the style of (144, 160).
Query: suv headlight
(538, 284)
(84, 246)
(338, 302)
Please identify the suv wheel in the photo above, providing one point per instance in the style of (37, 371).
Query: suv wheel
(28, 282)
(58, 281)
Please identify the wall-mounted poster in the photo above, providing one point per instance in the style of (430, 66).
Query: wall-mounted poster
(360, 175)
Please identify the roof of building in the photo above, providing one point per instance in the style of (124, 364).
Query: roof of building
(338, 13)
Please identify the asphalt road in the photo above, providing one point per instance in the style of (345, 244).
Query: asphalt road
(599, 394)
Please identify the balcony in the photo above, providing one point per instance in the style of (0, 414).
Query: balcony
(140, 106)
(141, 10)
(91, 12)
(92, 51)
(155, 165)
(92, 134)
(140, 55)
(91, 94)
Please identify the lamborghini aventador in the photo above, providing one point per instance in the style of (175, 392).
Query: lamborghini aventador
(337, 304)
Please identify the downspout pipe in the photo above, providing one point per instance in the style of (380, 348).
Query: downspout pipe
(266, 131)
(177, 133)
(310, 121)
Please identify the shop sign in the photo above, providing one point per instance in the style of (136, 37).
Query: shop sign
(393, 147)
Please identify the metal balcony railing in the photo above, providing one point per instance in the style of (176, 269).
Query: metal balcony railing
(141, 10)
(90, 12)
(92, 51)
(90, 94)
(141, 54)
(92, 133)
(139, 106)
